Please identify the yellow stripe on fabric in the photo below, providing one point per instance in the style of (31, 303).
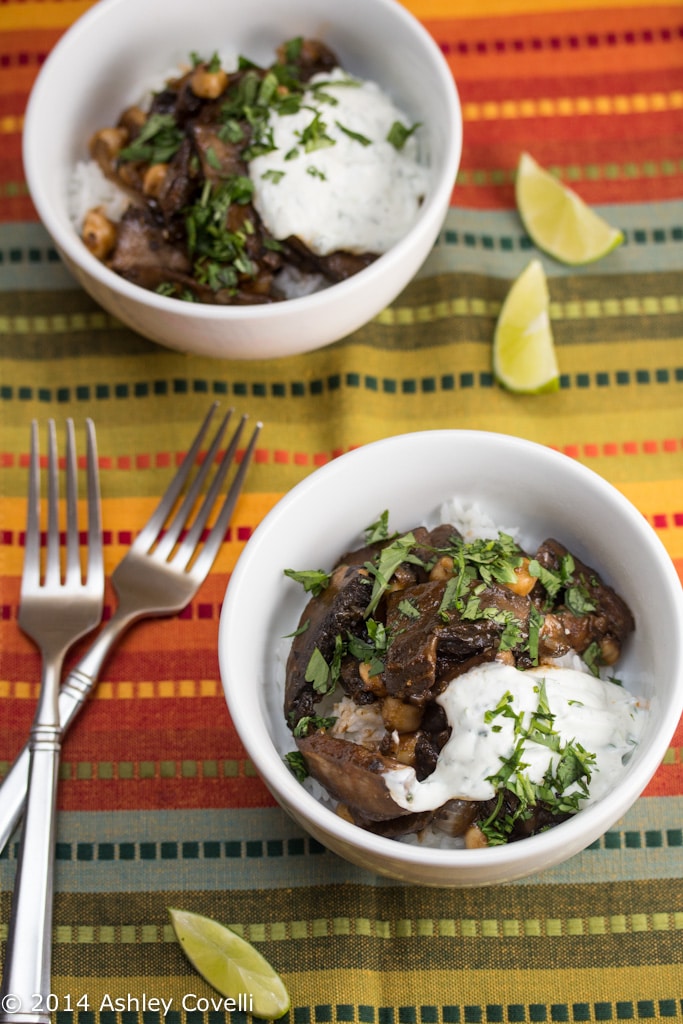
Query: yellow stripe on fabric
(18, 17)
(11, 124)
(141, 689)
(654, 499)
(392, 316)
(67, 323)
(588, 309)
(573, 106)
(381, 930)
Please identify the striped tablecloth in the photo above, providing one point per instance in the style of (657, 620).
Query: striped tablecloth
(159, 806)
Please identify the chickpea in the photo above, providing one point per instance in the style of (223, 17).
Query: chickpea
(402, 717)
(99, 233)
(442, 569)
(206, 84)
(132, 119)
(404, 750)
(342, 811)
(505, 657)
(475, 838)
(109, 140)
(525, 581)
(609, 650)
(370, 682)
(153, 179)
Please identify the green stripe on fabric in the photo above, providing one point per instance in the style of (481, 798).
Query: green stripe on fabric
(108, 853)
(571, 174)
(195, 1011)
(34, 255)
(483, 241)
(381, 930)
(466, 380)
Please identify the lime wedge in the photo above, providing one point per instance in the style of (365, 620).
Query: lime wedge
(230, 964)
(524, 357)
(558, 220)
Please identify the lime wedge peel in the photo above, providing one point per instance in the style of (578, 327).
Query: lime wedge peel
(524, 358)
(230, 964)
(557, 220)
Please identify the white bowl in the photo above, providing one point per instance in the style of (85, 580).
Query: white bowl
(99, 67)
(518, 483)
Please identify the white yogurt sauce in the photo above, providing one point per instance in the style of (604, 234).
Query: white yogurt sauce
(602, 716)
(349, 195)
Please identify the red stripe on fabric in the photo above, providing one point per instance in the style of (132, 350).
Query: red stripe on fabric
(155, 794)
(280, 456)
(667, 782)
(553, 86)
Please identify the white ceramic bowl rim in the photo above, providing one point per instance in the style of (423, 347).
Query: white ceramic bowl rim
(69, 242)
(544, 847)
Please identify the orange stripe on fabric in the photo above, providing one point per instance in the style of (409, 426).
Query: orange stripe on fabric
(430, 9)
(42, 15)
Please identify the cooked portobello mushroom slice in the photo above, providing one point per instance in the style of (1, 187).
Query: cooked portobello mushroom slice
(351, 774)
(585, 611)
(336, 610)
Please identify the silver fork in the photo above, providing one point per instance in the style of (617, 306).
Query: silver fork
(159, 575)
(57, 607)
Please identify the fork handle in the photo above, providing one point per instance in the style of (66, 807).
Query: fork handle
(26, 972)
(74, 690)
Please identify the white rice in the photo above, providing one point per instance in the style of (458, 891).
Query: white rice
(90, 189)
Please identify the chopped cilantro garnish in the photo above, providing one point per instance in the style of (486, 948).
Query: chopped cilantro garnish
(390, 557)
(372, 649)
(309, 723)
(565, 783)
(156, 142)
(407, 608)
(578, 600)
(314, 136)
(378, 530)
(319, 673)
(296, 764)
(356, 136)
(273, 175)
(314, 581)
(219, 254)
(399, 134)
(292, 49)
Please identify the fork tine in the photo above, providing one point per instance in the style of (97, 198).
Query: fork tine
(180, 519)
(52, 564)
(31, 574)
(190, 542)
(195, 534)
(73, 561)
(206, 556)
(95, 561)
(150, 531)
